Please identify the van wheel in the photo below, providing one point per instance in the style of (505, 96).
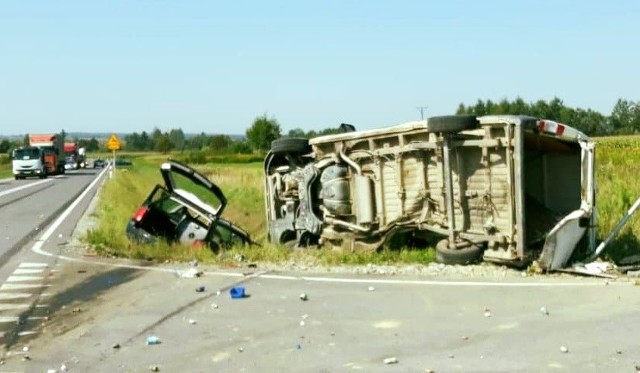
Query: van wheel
(463, 253)
(452, 123)
(298, 145)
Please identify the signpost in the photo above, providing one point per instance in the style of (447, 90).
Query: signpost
(113, 144)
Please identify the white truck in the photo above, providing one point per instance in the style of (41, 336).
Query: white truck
(28, 161)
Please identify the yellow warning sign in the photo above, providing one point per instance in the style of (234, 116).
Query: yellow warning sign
(113, 143)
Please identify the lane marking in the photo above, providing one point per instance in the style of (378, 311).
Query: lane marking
(33, 265)
(24, 278)
(22, 286)
(37, 248)
(7, 296)
(21, 271)
(13, 306)
(22, 187)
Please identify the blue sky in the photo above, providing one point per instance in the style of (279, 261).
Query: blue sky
(124, 66)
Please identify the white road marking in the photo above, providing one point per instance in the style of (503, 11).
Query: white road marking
(13, 306)
(22, 271)
(24, 278)
(33, 265)
(21, 286)
(6, 319)
(37, 248)
(22, 187)
(7, 296)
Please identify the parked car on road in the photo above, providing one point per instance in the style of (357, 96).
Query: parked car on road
(99, 163)
(502, 188)
(187, 209)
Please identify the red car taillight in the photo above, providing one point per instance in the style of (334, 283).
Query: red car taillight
(139, 215)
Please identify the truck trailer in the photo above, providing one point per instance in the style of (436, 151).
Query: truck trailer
(52, 145)
(74, 155)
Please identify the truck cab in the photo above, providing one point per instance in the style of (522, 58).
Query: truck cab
(28, 161)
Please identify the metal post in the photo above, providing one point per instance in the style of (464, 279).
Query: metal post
(615, 231)
(449, 186)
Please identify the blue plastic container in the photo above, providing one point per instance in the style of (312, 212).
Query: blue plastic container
(237, 292)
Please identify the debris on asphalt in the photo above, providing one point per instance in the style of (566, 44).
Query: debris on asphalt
(26, 358)
(301, 322)
(76, 310)
(429, 371)
(63, 368)
(451, 356)
(192, 321)
(371, 288)
(154, 368)
(115, 346)
(304, 297)
(52, 371)
(252, 265)
(237, 292)
(25, 349)
(390, 360)
(298, 346)
(487, 312)
(214, 306)
(544, 311)
(465, 338)
(239, 258)
(240, 349)
(153, 340)
(218, 293)
(200, 289)
(192, 272)
(564, 349)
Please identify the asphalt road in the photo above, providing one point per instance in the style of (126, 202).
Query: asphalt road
(96, 315)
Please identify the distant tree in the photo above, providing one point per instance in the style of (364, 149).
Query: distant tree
(296, 132)
(177, 138)
(220, 143)
(241, 146)
(25, 140)
(163, 144)
(5, 146)
(197, 142)
(262, 132)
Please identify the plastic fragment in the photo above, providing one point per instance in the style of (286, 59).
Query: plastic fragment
(390, 360)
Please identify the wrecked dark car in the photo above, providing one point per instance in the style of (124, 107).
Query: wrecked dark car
(187, 209)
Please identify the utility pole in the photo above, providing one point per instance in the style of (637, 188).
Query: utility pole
(422, 110)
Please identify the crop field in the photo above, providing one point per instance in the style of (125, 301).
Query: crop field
(618, 163)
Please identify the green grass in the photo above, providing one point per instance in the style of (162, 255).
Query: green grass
(5, 166)
(618, 163)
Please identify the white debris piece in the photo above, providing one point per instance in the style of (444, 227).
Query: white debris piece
(192, 321)
(63, 368)
(487, 312)
(390, 360)
(371, 288)
(544, 311)
(564, 349)
(303, 297)
(192, 272)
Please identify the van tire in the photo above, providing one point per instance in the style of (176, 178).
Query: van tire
(464, 253)
(298, 145)
(452, 123)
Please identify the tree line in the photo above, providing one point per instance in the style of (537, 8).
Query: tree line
(623, 120)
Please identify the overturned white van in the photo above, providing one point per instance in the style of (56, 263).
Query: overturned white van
(504, 188)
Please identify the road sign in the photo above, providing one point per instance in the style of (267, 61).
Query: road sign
(113, 143)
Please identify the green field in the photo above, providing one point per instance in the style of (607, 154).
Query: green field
(617, 163)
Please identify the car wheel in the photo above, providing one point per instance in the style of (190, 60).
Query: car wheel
(290, 145)
(464, 253)
(452, 123)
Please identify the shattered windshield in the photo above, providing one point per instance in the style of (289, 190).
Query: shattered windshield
(205, 195)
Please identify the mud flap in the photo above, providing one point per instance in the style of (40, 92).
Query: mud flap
(561, 241)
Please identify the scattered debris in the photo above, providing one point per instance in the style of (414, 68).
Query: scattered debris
(301, 322)
(26, 358)
(240, 349)
(82, 271)
(25, 349)
(214, 306)
(200, 289)
(76, 310)
(429, 371)
(544, 311)
(239, 258)
(218, 293)
(303, 297)
(154, 368)
(60, 235)
(52, 371)
(115, 346)
(371, 288)
(153, 340)
(298, 347)
(63, 368)
(192, 321)
(252, 265)
(487, 312)
(390, 360)
(451, 356)
(564, 349)
(465, 338)
(237, 292)
(192, 272)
